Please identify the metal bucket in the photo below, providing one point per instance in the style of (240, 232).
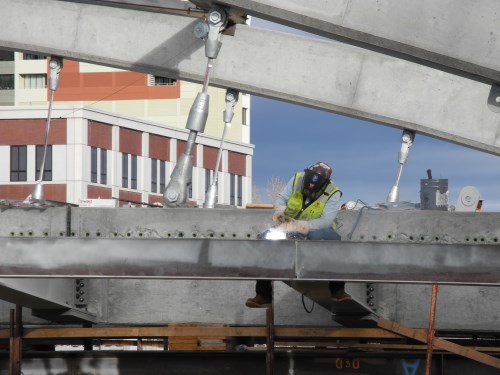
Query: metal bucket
(434, 194)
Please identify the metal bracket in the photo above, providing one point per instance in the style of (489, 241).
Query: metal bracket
(211, 30)
(55, 65)
(371, 296)
(406, 142)
(80, 293)
(494, 98)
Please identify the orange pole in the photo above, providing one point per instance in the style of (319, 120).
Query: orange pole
(430, 332)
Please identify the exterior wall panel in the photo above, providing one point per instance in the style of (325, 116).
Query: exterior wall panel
(99, 135)
(237, 163)
(59, 163)
(130, 141)
(120, 85)
(32, 132)
(129, 196)
(95, 192)
(159, 147)
(181, 146)
(53, 192)
(5, 165)
(210, 158)
(152, 199)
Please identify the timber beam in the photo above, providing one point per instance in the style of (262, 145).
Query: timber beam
(201, 330)
(421, 336)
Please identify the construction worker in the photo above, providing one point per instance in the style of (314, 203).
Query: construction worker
(308, 205)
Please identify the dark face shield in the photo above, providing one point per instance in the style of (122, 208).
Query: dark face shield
(313, 183)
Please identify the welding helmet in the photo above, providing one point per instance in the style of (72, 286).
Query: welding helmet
(315, 178)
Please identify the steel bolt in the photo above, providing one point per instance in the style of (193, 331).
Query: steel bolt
(172, 195)
(215, 16)
(200, 30)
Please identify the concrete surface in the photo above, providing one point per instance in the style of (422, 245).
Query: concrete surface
(345, 79)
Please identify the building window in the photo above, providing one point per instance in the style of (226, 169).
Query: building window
(232, 189)
(162, 176)
(104, 166)
(32, 56)
(6, 56)
(125, 170)
(240, 191)
(161, 81)
(47, 168)
(34, 81)
(235, 190)
(244, 116)
(93, 165)
(133, 178)
(102, 162)
(154, 175)
(6, 81)
(18, 163)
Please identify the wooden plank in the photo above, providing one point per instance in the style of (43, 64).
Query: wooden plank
(212, 348)
(334, 332)
(259, 205)
(175, 346)
(151, 332)
(333, 345)
(421, 335)
(182, 340)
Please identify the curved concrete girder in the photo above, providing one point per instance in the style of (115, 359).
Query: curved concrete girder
(321, 74)
(458, 35)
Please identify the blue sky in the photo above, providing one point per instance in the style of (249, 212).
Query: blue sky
(364, 155)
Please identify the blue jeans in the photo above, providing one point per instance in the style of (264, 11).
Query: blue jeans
(264, 287)
(323, 234)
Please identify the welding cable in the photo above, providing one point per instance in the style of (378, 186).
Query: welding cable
(304, 305)
(358, 218)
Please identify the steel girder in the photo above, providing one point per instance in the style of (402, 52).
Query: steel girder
(345, 79)
(48, 298)
(222, 244)
(251, 259)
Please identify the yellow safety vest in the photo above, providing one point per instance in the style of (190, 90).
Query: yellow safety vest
(294, 206)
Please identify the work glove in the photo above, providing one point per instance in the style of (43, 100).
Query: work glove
(300, 226)
(279, 214)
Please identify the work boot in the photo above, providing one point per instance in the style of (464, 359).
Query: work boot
(259, 301)
(340, 296)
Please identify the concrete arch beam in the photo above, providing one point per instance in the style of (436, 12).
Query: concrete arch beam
(321, 74)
